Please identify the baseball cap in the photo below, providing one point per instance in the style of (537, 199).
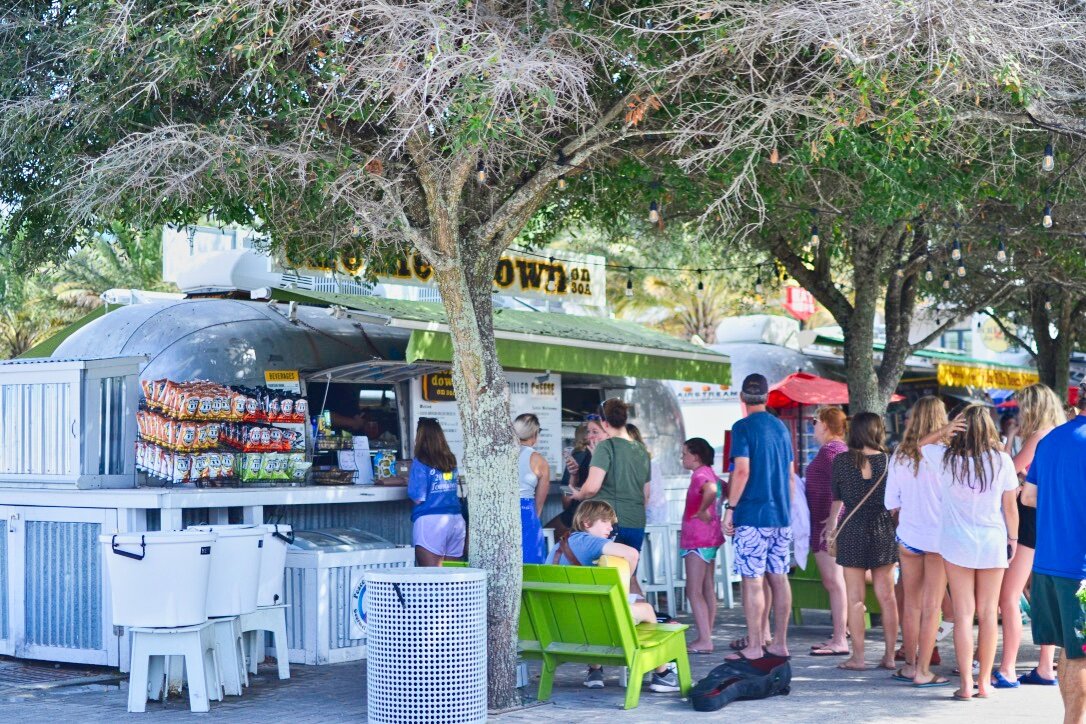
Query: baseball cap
(755, 384)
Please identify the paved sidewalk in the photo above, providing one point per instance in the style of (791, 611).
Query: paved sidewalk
(820, 694)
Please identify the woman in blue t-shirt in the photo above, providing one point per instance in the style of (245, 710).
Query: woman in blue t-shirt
(438, 528)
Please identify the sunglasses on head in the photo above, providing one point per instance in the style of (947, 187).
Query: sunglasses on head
(592, 417)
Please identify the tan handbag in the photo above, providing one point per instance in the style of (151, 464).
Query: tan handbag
(831, 538)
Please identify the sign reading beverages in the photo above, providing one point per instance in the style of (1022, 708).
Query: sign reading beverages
(282, 380)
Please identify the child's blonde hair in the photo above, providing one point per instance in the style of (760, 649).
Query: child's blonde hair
(592, 511)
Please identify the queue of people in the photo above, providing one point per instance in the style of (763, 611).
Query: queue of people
(963, 523)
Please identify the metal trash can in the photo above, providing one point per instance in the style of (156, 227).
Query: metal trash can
(426, 659)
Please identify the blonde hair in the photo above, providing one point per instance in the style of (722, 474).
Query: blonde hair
(526, 426)
(1040, 409)
(835, 420)
(592, 511)
(928, 415)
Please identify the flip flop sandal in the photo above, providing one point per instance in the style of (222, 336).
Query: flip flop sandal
(958, 697)
(933, 683)
(898, 676)
(1036, 679)
(700, 652)
(827, 651)
(1000, 681)
(739, 656)
(738, 644)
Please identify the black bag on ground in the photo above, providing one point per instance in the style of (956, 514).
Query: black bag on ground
(742, 679)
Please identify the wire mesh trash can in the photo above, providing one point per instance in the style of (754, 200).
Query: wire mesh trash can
(427, 645)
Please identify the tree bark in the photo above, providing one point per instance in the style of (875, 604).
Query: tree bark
(1054, 351)
(490, 457)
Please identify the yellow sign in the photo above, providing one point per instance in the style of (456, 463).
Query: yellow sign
(283, 380)
(992, 336)
(1009, 378)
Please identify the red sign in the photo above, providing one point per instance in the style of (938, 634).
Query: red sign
(800, 303)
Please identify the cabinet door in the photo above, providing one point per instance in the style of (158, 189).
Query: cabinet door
(61, 611)
(9, 521)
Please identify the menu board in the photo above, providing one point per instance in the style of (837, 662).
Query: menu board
(432, 396)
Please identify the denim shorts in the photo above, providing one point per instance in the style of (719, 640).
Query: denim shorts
(906, 546)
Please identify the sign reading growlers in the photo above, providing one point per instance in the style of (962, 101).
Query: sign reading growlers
(572, 277)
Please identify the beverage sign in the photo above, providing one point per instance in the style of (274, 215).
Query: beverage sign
(282, 380)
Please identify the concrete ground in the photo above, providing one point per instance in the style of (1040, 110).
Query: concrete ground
(821, 694)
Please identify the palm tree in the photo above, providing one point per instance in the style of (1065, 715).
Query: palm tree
(123, 258)
(28, 313)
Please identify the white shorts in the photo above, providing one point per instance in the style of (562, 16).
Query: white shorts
(441, 534)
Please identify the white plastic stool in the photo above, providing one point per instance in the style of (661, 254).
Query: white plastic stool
(231, 650)
(678, 580)
(151, 647)
(253, 625)
(548, 537)
(656, 572)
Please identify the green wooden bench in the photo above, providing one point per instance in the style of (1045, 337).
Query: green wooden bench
(808, 592)
(580, 614)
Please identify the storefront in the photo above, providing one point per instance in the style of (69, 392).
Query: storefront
(362, 370)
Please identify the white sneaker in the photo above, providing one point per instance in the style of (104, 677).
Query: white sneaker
(594, 680)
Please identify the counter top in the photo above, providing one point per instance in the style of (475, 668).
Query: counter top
(170, 498)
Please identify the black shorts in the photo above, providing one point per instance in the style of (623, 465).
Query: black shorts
(1057, 615)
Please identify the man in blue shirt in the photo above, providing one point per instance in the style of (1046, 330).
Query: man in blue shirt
(758, 515)
(1056, 486)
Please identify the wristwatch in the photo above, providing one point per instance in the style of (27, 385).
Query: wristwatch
(728, 506)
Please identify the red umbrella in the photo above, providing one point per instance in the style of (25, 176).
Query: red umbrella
(803, 388)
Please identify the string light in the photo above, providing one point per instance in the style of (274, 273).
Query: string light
(899, 273)
(1001, 255)
(814, 234)
(654, 212)
(774, 156)
(1046, 220)
(1049, 161)
(701, 283)
(758, 287)
(929, 275)
(562, 182)
(961, 270)
(946, 281)
(956, 250)
(629, 282)
(480, 173)
(1048, 306)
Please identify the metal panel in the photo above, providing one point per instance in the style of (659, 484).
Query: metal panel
(36, 418)
(63, 604)
(294, 597)
(5, 632)
(339, 605)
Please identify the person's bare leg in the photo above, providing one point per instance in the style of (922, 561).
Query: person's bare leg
(1046, 661)
(767, 593)
(988, 585)
(882, 580)
(427, 559)
(932, 595)
(754, 613)
(899, 599)
(696, 570)
(1072, 676)
(710, 596)
(963, 594)
(782, 610)
(856, 590)
(912, 584)
(1010, 593)
(833, 580)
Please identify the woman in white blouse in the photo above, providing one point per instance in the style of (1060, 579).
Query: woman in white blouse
(978, 533)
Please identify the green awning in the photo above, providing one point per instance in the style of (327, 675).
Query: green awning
(542, 341)
(46, 347)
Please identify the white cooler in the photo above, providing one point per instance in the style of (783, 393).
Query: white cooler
(273, 561)
(235, 568)
(159, 579)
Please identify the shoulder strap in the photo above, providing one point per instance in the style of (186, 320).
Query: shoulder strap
(565, 550)
(868, 495)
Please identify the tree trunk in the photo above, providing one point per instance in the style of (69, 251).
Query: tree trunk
(864, 393)
(490, 458)
(1053, 353)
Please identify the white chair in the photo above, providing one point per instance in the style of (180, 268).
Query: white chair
(231, 652)
(152, 647)
(253, 625)
(725, 574)
(656, 571)
(548, 538)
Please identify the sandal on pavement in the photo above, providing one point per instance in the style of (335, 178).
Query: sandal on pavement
(738, 644)
(1034, 678)
(936, 680)
(1000, 681)
(899, 676)
(827, 651)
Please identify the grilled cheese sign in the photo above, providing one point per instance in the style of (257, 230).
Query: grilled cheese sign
(575, 277)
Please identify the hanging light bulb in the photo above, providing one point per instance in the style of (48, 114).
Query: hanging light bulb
(899, 273)
(956, 250)
(480, 173)
(758, 287)
(562, 182)
(814, 234)
(946, 281)
(961, 270)
(1049, 161)
(701, 283)
(1048, 306)
(1001, 255)
(629, 281)
(929, 274)
(774, 156)
(654, 212)
(1046, 220)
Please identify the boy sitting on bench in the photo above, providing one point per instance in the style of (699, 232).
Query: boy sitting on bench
(591, 538)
